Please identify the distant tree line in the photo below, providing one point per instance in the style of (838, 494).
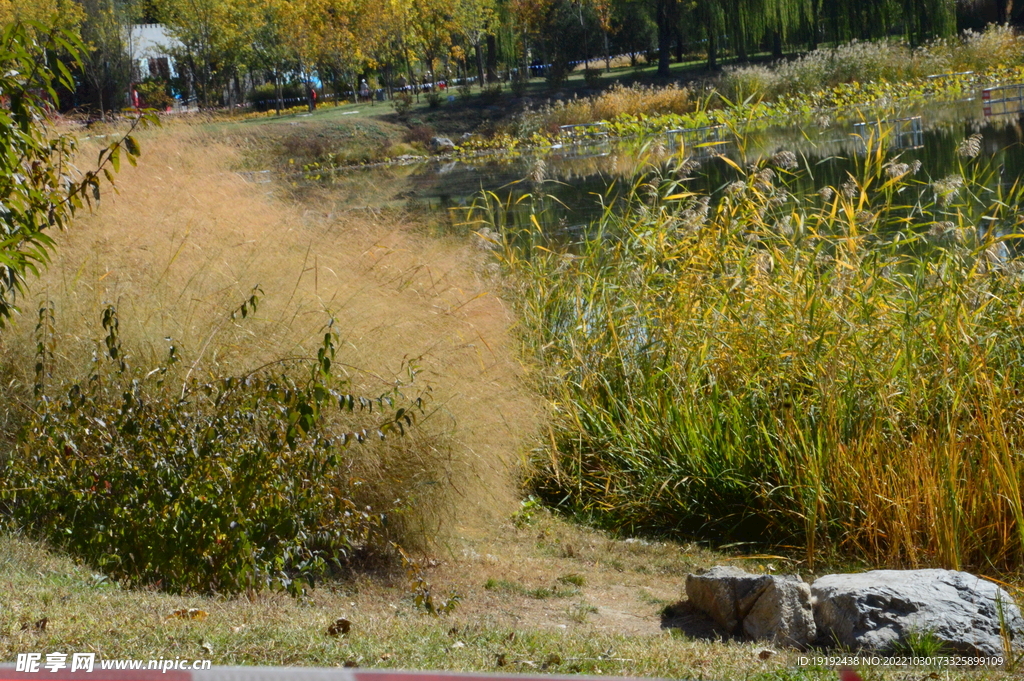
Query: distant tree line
(224, 48)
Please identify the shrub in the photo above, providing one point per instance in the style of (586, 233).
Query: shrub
(491, 94)
(556, 75)
(402, 101)
(519, 85)
(154, 94)
(434, 99)
(264, 97)
(419, 132)
(592, 77)
(234, 483)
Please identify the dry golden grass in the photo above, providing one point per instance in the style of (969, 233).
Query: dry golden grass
(617, 101)
(613, 625)
(186, 240)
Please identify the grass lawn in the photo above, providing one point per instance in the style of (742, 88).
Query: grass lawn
(547, 596)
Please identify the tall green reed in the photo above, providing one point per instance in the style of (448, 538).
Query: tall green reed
(839, 371)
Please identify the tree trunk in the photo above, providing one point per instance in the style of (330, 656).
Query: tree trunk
(777, 44)
(1004, 9)
(712, 46)
(479, 64)
(665, 16)
(741, 40)
(812, 33)
(492, 58)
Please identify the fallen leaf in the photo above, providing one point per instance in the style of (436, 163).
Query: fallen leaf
(458, 644)
(765, 653)
(385, 656)
(189, 614)
(207, 648)
(235, 630)
(351, 663)
(552, 660)
(340, 627)
(527, 663)
(501, 660)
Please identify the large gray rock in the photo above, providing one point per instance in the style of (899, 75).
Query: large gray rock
(875, 610)
(782, 613)
(763, 607)
(440, 145)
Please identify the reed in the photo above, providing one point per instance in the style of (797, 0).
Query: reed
(612, 103)
(835, 370)
(882, 60)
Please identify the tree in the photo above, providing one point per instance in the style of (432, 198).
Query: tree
(665, 16)
(212, 34)
(39, 188)
(106, 63)
(634, 28)
(66, 15)
(268, 50)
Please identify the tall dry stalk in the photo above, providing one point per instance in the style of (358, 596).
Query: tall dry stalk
(838, 369)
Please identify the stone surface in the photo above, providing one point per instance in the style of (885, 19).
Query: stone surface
(782, 613)
(439, 145)
(763, 607)
(875, 610)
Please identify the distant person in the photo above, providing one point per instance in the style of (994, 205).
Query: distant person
(364, 90)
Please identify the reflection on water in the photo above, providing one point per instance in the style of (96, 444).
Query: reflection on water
(580, 179)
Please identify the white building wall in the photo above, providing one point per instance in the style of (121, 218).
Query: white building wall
(148, 41)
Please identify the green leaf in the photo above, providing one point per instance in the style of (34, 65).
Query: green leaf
(132, 146)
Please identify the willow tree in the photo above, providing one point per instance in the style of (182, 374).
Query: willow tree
(927, 19)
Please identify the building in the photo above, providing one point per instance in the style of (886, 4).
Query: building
(148, 46)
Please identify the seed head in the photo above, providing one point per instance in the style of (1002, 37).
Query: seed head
(785, 159)
(970, 147)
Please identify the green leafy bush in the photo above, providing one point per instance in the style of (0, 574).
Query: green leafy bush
(519, 85)
(235, 483)
(592, 77)
(402, 102)
(491, 94)
(154, 94)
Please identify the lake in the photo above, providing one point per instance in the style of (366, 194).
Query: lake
(568, 186)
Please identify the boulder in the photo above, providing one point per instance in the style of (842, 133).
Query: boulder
(782, 613)
(440, 145)
(878, 609)
(762, 607)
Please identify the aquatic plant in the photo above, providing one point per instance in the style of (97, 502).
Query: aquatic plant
(835, 370)
(883, 60)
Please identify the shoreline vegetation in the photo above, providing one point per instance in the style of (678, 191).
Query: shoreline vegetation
(851, 82)
(198, 386)
(829, 370)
